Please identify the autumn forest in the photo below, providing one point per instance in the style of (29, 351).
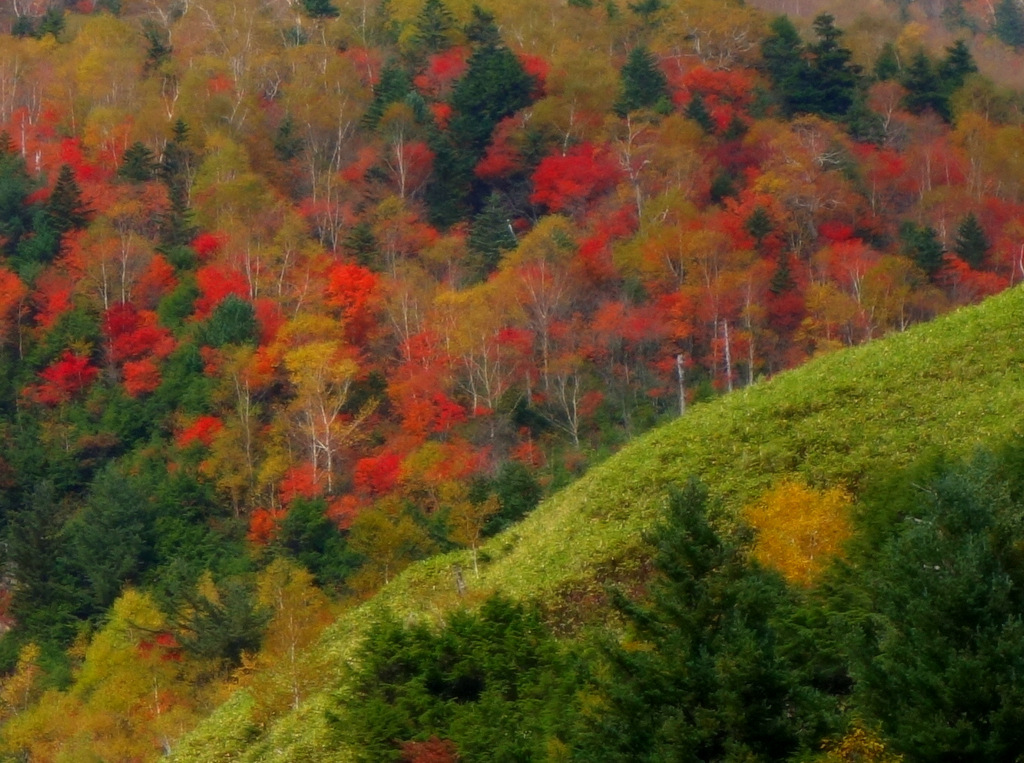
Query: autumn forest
(297, 293)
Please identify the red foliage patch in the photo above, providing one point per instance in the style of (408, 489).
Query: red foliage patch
(201, 431)
(570, 181)
(377, 475)
(217, 282)
(63, 379)
(208, 244)
(263, 525)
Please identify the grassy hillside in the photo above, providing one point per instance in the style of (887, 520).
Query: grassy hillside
(952, 384)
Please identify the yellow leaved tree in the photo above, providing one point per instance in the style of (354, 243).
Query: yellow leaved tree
(799, 528)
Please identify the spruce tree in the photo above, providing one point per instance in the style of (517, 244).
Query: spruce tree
(644, 85)
(495, 86)
(924, 88)
(782, 279)
(176, 168)
(971, 244)
(65, 209)
(287, 141)
(923, 245)
(834, 79)
(158, 44)
(784, 59)
(1009, 23)
(711, 681)
(394, 85)
(887, 65)
(697, 110)
(15, 187)
(435, 25)
(320, 9)
(491, 234)
(138, 164)
(956, 66)
(482, 29)
(759, 224)
(52, 22)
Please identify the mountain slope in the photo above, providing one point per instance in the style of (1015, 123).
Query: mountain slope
(954, 384)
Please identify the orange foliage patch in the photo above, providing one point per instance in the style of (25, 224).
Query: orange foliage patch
(799, 528)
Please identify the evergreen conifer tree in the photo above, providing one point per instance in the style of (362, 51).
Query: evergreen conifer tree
(923, 245)
(956, 66)
(176, 168)
(759, 224)
(65, 209)
(709, 682)
(495, 86)
(138, 164)
(644, 85)
(1009, 23)
(971, 242)
(834, 79)
(887, 65)
(784, 59)
(782, 279)
(924, 88)
(491, 234)
(15, 186)
(434, 27)
(320, 9)
(697, 110)
(394, 85)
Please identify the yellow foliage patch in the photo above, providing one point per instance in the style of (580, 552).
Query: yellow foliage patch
(799, 528)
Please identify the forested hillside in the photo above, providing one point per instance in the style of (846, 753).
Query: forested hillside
(294, 294)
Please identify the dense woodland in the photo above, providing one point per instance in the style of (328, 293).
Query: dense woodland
(294, 294)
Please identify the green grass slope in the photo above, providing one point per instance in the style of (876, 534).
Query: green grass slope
(954, 384)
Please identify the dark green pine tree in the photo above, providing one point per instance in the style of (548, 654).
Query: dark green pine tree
(785, 61)
(956, 66)
(287, 141)
(138, 165)
(922, 244)
(644, 85)
(320, 9)
(1009, 23)
(956, 17)
(23, 27)
(222, 629)
(647, 10)
(109, 542)
(65, 209)
(233, 322)
(491, 234)
(52, 22)
(834, 79)
(697, 110)
(43, 600)
(971, 244)
(887, 65)
(495, 86)
(176, 168)
(759, 224)
(709, 681)
(15, 187)
(394, 85)
(158, 44)
(435, 26)
(782, 279)
(933, 632)
(482, 29)
(924, 87)
(361, 244)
